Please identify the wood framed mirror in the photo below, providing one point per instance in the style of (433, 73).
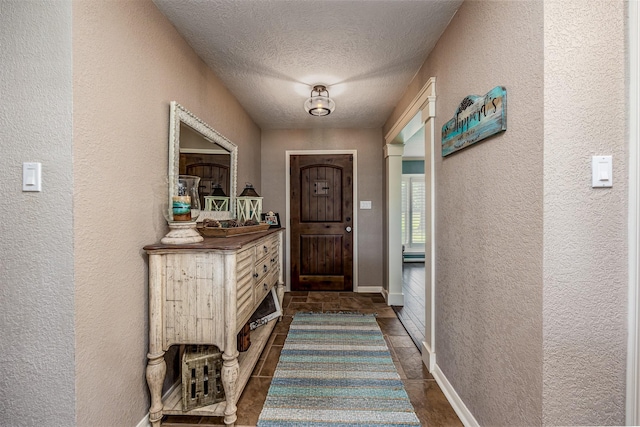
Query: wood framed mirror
(195, 148)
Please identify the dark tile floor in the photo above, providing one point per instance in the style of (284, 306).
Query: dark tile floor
(412, 315)
(429, 402)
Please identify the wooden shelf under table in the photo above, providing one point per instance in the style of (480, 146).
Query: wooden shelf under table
(247, 361)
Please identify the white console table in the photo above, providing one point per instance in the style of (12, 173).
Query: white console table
(204, 293)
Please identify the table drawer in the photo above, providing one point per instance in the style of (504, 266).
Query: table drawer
(264, 286)
(267, 246)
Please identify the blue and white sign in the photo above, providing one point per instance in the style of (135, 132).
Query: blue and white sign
(477, 118)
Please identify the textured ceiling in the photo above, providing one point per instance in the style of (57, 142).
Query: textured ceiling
(270, 53)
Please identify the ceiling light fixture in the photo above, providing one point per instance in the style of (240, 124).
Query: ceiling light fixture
(319, 104)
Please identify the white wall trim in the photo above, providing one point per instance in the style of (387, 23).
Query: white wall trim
(393, 231)
(428, 356)
(466, 417)
(409, 113)
(393, 150)
(145, 421)
(424, 107)
(633, 344)
(370, 289)
(393, 298)
(287, 258)
(430, 250)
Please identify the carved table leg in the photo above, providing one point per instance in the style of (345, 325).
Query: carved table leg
(230, 370)
(156, 371)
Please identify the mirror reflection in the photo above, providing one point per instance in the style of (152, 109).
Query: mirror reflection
(207, 160)
(196, 149)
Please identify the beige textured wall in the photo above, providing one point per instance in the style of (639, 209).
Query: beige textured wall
(585, 229)
(531, 261)
(129, 63)
(370, 183)
(36, 245)
(489, 211)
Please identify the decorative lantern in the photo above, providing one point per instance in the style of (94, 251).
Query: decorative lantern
(248, 204)
(185, 211)
(218, 201)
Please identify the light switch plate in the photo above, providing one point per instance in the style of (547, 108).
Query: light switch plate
(365, 204)
(601, 171)
(31, 176)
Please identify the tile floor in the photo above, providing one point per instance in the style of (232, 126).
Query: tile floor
(430, 405)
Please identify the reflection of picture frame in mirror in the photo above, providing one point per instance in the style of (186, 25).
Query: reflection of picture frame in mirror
(272, 220)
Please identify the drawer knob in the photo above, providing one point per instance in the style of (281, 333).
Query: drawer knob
(273, 260)
(265, 286)
(265, 249)
(255, 275)
(265, 268)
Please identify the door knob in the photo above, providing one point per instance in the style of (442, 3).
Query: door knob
(348, 229)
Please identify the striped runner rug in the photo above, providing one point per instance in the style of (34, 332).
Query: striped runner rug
(336, 370)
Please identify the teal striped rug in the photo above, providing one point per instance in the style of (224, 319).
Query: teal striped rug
(336, 370)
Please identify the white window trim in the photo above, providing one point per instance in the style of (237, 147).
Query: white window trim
(419, 248)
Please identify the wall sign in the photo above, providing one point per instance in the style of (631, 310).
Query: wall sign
(477, 118)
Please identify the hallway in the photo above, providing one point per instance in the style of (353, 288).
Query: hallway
(430, 404)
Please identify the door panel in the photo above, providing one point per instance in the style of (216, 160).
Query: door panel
(321, 222)
(321, 255)
(210, 174)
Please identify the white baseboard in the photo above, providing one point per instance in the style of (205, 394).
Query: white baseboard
(466, 417)
(428, 357)
(145, 421)
(369, 289)
(393, 299)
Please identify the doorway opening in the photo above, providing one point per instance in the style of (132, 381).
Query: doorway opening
(414, 238)
(417, 119)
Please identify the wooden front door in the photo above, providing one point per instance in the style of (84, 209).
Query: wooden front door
(322, 222)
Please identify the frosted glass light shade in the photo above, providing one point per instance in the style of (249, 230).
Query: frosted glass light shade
(319, 104)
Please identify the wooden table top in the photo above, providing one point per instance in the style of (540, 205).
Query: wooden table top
(218, 243)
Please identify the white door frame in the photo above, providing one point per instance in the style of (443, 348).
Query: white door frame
(633, 345)
(423, 106)
(287, 253)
